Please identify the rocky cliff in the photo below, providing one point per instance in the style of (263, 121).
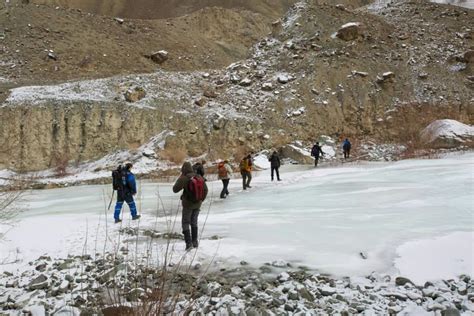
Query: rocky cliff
(379, 72)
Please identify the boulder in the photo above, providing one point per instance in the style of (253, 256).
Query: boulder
(402, 281)
(447, 134)
(349, 31)
(296, 154)
(40, 282)
(159, 57)
(135, 94)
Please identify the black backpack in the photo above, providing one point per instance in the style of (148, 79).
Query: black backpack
(117, 183)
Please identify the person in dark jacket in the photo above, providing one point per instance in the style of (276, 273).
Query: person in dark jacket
(316, 152)
(275, 164)
(198, 168)
(126, 192)
(346, 148)
(191, 208)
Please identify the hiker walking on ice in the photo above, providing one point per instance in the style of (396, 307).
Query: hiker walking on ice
(275, 164)
(346, 148)
(224, 171)
(194, 192)
(124, 183)
(246, 171)
(316, 152)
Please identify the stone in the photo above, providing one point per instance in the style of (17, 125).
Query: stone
(41, 267)
(349, 31)
(246, 82)
(327, 290)
(402, 281)
(283, 277)
(387, 76)
(52, 55)
(159, 57)
(450, 312)
(447, 134)
(267, 86)
(209, 93)
(119, 20)
(283, 78)
(304, 293)
(359, 73)
(40, 282)
(135, 94)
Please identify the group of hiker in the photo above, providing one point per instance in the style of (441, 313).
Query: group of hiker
(192, 183)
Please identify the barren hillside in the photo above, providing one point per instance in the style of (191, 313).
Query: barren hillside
(380, 73)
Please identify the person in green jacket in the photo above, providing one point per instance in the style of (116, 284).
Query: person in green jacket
(191, 207)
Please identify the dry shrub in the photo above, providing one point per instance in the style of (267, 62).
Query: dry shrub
(175, 155)
(61, 163)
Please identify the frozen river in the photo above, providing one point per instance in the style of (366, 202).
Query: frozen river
(413, 217)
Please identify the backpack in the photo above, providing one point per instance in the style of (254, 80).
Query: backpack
(221, 170)
(195, 189)
(117, 183)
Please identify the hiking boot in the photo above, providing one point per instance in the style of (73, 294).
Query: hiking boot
(249, 186)
(118, 220)
(194, 234)
(136, 217)
(187, 240)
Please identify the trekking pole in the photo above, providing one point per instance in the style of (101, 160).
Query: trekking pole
(110, 203)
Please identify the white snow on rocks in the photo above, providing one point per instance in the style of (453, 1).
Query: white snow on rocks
(446, 131)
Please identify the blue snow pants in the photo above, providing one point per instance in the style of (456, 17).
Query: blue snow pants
(131, 204)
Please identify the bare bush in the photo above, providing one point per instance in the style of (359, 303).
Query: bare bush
(61, 163)
(175, 155)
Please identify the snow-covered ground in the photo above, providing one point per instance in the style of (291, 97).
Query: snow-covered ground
(413, 218)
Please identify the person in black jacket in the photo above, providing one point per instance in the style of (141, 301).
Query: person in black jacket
(275, 164)
(316, 152)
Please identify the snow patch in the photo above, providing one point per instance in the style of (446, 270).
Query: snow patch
(440, 258)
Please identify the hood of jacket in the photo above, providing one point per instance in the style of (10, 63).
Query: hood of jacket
(187, 168)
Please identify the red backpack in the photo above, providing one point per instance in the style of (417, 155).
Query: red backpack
(195, 189)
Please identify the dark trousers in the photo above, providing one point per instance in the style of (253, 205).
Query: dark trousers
(246, 178)
(277, 173)
(316, 160)
(224, 192)
(190, 218)
(347, 152)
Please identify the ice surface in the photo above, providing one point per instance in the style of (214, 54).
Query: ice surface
(318, 217)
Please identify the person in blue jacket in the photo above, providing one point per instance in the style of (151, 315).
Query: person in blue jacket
(346, 148)
(125, 193)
